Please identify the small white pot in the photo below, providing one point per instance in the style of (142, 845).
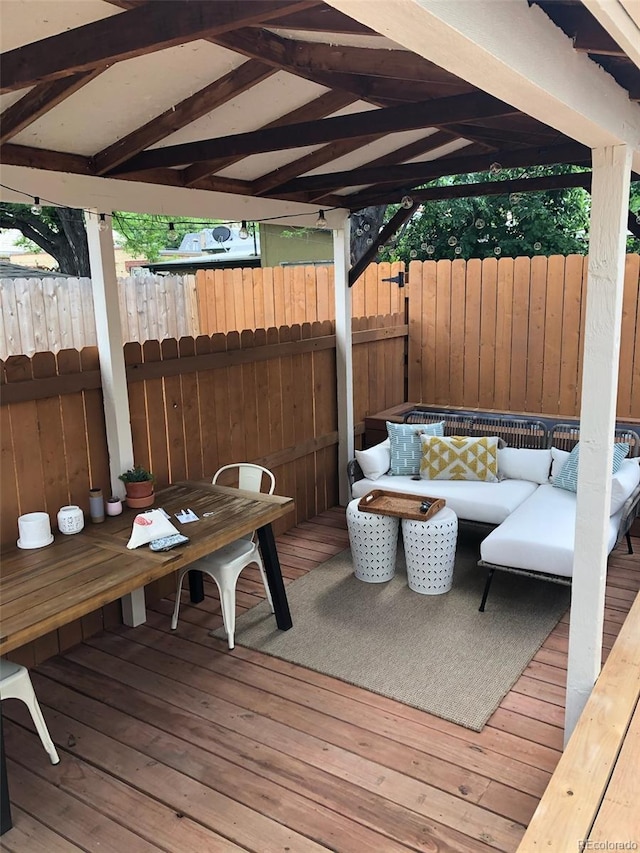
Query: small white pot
(70, 519)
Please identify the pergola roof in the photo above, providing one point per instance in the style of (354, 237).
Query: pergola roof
(266, 108)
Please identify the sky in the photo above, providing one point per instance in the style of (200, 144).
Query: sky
(8, 237)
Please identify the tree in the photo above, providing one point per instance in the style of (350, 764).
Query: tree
(145, 235)
(540, 223)
(365, 224)
(59, 231)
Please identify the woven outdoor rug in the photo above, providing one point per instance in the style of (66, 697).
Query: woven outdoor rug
(437, 653)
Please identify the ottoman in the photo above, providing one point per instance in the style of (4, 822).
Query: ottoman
(374, 543)
(430, 551)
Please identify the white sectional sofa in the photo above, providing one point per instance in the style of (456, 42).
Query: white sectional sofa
(531, 522)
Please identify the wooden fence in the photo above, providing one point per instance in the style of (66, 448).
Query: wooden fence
(52, 314)
(267, 396)
(236, 299)
(508, 334)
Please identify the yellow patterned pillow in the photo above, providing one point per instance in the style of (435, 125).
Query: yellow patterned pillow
(459, 458)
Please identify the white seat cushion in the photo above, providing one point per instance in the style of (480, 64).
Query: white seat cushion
(539, 535)
(489, 503)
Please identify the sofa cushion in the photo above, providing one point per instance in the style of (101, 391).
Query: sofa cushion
(406, 449)
(539, 535)
(558, 458)
(522, 463)
(489, 503)
(375, 461)
(459, 458)
(623, 483)
(568, 477)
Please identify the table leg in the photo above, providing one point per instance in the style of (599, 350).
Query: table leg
(274, 577)
(196, 586)
(5, 804)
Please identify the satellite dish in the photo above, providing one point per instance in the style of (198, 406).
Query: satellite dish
(221, 233)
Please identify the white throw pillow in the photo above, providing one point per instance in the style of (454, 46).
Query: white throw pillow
(523, 463)
(375, 461)
(623, 483)
(558, 458)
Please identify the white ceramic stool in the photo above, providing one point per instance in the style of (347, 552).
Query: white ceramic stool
(15, 683)
(430, 552)
(374, 543)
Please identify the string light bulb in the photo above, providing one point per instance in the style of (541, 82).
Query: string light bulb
(243, 233)
(102, 222)
(406, 202)
(36, 207)
(321, 222)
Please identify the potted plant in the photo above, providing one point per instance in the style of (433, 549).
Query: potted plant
(138, 483)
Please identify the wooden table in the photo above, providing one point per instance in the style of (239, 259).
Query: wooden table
(46, 588)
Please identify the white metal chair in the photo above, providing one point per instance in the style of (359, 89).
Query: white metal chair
(225, 565)
(15, 683)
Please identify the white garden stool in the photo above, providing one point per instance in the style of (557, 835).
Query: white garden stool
(374, 543)
(430, 551)
(15, 683)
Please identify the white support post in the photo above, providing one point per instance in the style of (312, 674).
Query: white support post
(344, 355)
(106, 308)
(605, 283)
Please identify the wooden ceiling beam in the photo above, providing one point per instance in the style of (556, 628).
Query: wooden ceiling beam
(370, 62)
(192, 108)
(411, 173)
(596, 41)
(40, 100)
(41, 158)
(322, 19)
(143, 30)
(497, 137)
(517, 185)
(401, 155)
(423, 114)
(270, 47)
(326, 104)
(396, 222)
(313, 160)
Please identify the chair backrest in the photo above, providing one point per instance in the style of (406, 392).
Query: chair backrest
(250, 477)
(566, 436)
(515, 431)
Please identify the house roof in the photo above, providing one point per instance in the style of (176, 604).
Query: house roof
(272, 108)
(9, 270)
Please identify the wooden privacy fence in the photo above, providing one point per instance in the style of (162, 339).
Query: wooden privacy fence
(236, 299)
(52, 314)
(508, 334)
(267, 396)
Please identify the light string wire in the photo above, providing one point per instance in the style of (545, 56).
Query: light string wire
(166, 217)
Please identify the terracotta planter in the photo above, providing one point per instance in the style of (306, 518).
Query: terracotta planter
(140, 494)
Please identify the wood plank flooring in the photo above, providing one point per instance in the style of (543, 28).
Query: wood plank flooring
(170, 742)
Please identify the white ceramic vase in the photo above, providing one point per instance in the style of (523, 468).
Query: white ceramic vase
(70, 519)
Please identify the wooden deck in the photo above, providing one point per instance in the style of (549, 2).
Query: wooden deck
(170, 742)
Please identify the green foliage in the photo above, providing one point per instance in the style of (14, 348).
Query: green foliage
(540, 223)
(633, 243)
(136, 475)
(144, 236)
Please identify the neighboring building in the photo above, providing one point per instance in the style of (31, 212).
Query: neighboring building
(44, 262)
(220, 247)
(266, 245)
(10, 270)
